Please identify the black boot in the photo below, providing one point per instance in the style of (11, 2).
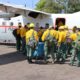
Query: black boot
(29, 60)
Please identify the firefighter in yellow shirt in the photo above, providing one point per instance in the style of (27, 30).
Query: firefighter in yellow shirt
(40, 33)
(23, 31)
(73, 37)
(18, 38)
(66, 30)
(61, 53)
(62, 36)
(48, 38)
(79, 31)
(31, 41)
(68, 40)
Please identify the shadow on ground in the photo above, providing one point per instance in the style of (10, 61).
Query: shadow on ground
(11, 58)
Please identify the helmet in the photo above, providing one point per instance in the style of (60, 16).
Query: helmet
(66, 27)
(61, 27)
(31, 25)
(19, 24)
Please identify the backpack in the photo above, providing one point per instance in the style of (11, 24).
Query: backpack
(68, 40)
(32, 41)
(77, 43)
(39, 51)
(50, 39)
(14, 32)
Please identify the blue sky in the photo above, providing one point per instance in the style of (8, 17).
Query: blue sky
(29, 3)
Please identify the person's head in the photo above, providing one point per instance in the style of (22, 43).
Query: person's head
(78, 29)
(41, 27)
(66, 27)
(74, 28)
(37, 24)
(46, 25)
(26, 27)
(51, 27)
(28, 24)
(61, 28)
(19, 25)
(31, 26)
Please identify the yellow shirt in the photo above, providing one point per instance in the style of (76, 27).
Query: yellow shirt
(22, 32)
(29, 34)
(62, 37)
(66, 33)
(73, 36)
(40, 32)
(45, 35)
(79, 32)
(18, 31)
(57, 35)
(52, 32)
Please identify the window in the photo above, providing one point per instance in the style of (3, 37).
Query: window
(60, 22)
(11, 23)
(3, 23)
(33, 14)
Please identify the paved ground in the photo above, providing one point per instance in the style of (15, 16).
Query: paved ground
(14, 66)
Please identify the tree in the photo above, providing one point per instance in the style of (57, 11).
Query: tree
(40, 5)
(70, 6)
(73, 6)
(49, 6)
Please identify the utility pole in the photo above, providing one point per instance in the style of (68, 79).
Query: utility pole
(25, 4)
(32, 4)
(64, 3)
(66, 6)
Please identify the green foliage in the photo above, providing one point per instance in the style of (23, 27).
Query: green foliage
(49, 6)
(74, 6)
(40, 5)
(56, 6)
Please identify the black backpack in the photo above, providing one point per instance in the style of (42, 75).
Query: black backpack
(17, 36)
(32, 41)
(14, 32)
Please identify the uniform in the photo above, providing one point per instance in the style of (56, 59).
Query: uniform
(18, 40)
(68, 41)
(61, 54)
(79, 32)
(23, 31)
(30, 50)
(73, 36)
(49, 47)
(78, 51)
(40, 33)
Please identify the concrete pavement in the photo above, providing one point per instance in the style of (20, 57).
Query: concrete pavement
(14, 66)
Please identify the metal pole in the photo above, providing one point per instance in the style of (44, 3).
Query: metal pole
(25, 3)
(66, 5)
(32, 3)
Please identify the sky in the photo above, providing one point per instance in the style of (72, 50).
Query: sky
(29, 3)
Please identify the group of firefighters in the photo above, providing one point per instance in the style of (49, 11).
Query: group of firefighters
(58, 43)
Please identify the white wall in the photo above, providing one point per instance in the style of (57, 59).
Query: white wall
(71, 19)
(41, 19)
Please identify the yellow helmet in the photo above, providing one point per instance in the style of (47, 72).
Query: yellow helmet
(31, 25)
(19, 24)
(61, 27)
(66, 27)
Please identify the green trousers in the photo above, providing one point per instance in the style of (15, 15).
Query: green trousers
(69, 47)
(18, 44)
(24, 45)
(75, 54)
(61, 52)
(49, 49)
(29, 51)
